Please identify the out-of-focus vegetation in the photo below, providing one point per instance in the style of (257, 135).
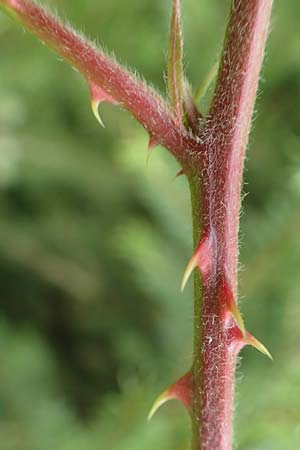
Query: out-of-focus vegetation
(94, 242)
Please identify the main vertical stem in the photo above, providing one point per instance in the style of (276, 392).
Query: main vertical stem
(216, 205)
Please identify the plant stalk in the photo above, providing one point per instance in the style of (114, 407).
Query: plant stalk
(216, 184)
(213, 159)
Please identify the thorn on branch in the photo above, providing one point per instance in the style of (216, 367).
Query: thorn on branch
(182, 390)
(233, 307)
(202, 258)
(98, 95)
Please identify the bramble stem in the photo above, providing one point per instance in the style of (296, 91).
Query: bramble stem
(212, 155)
(216, 205)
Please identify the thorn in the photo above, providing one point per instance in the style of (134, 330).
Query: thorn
(152, 143)
(233, 308)
(239, 341)
(181, 390)
(178, 174)
(237, 316)
(98, 95)
(193, 263)
(161, 399)
(202, 258)
(95, 109)
(251, 340)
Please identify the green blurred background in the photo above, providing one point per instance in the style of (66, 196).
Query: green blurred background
(94, 242)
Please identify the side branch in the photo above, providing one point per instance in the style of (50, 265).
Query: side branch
(145, 104)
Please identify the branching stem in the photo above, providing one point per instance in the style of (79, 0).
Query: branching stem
(211, 153)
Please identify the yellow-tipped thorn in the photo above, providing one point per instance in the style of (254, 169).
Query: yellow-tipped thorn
(163, 398)
(233, 308)
(188, 271)
(182, 390)
(98, 95)
(251, 340)
(237, 316)
(95, 108)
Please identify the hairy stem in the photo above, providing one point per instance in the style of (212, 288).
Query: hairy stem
(143, 102)
(212, 156)
(216, 197)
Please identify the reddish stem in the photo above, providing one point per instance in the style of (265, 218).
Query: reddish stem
(143, 102)
(216, 206)
(213, 162)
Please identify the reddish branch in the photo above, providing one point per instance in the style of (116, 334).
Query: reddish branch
(212, 157)
(143, 102)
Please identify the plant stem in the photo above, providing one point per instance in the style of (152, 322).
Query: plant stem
(216, 203)
(213, 161)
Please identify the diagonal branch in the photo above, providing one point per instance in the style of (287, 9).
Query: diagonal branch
(116, 83)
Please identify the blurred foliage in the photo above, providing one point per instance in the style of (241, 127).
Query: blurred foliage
(94, 242)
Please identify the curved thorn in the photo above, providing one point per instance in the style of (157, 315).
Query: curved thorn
(95, 108)
(178, 174)
(202, 258)
(251, 340)
(233, 308)
(181, 390)
(193, 263)
(161, 399)
(98, 95)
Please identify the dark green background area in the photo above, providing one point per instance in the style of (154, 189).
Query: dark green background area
(94, 241)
